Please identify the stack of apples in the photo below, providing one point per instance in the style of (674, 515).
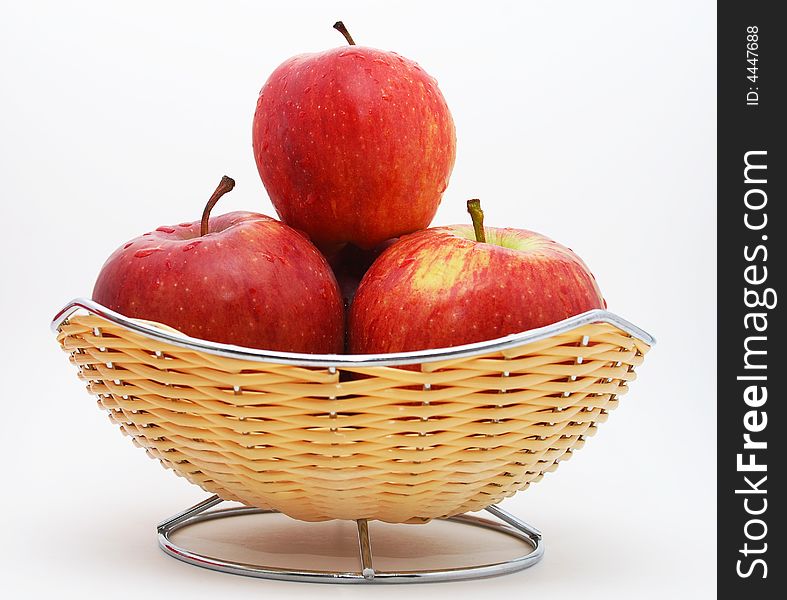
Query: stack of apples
(355, 147)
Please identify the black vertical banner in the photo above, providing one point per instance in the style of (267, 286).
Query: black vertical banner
(751, 391)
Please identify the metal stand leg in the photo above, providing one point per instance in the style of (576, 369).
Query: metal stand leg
(511, 526)
(366, 549)
(185, 515)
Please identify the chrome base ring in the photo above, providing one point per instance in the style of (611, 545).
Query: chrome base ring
(510, 526)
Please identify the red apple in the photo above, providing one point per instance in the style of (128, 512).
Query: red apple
(350, 265)
(353, 144)
(441, 287)
(240, 278)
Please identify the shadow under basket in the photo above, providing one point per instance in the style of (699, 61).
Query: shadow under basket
(356, 437)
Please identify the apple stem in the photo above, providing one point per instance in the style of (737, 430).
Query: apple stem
(225, 185)
(474, 208)
(339, 26)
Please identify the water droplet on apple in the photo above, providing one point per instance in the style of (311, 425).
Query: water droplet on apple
(343, 53)
(146, 252)
(307, 89)
(165, 229)
(267, 256)
(184, 224)
(191, 245)
(128, 245)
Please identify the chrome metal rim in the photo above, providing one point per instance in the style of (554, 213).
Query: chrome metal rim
(366, 573)
(351, 360)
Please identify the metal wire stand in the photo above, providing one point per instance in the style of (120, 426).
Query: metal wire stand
(367, 573)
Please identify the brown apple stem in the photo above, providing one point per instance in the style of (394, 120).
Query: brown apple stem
(339, 26)
(225, 185)
(474, 208)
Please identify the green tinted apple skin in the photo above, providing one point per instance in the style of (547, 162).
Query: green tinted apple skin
(440, 287)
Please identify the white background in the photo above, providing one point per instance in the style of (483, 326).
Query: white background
(592, 122)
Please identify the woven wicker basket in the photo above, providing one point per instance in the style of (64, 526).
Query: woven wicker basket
(356, 437)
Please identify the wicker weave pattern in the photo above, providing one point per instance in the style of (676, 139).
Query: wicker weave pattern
(377, 443)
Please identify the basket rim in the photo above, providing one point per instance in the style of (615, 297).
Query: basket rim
(350, 360)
